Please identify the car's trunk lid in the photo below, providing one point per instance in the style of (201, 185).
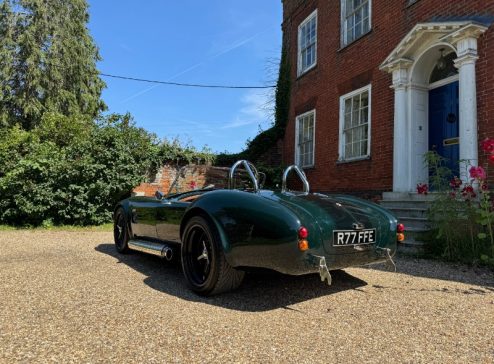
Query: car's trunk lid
(332, 212)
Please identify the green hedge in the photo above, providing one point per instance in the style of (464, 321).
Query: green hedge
(71, 170)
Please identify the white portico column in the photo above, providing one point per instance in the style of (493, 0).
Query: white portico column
(400, 144)
(467, 56)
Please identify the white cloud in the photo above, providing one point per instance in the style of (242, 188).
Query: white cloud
(255, 109)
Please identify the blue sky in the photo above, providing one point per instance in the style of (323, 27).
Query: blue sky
(209, 42)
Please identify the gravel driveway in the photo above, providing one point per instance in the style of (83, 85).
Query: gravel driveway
(68, 297)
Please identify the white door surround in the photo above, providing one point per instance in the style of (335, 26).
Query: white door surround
(411, 64)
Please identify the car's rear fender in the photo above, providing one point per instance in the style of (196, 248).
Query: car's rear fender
(200, 211)
(254, 231)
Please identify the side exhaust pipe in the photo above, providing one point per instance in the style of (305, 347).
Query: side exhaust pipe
(161, 250)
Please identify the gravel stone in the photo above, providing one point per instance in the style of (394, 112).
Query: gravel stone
(69, 297)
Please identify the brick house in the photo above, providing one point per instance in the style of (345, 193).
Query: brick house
(378, 83)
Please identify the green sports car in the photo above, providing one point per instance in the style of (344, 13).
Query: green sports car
(220, 233)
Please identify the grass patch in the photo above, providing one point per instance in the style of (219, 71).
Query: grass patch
(103, 228)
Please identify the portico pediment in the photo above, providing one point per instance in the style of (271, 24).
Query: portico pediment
(425, 34)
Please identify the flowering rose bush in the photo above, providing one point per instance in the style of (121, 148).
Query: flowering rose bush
(455, 183)
(488, 145)
(422, 189)
(477, 173)
(462, 212)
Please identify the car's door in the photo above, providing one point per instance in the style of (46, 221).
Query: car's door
(169, 214)
(143, 221)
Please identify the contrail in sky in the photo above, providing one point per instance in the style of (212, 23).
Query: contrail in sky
(235, 45)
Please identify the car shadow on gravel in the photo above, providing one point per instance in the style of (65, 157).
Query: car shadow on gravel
(260, 290)
(445, 271)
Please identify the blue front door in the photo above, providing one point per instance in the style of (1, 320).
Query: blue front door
(443, 124)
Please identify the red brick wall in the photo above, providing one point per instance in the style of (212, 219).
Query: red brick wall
(191, 177)
(340, 71)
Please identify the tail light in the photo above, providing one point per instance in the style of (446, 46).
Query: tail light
(303, 244)
(400, 232)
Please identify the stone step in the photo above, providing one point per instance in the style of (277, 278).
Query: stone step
(404, 204)
(420, 223)
(409, 212)
(408, 196)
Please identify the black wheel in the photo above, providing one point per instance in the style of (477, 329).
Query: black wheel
(121, 231)
(203, 260)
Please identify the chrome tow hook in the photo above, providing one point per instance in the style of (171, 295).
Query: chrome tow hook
(390, 264)
(324, 271)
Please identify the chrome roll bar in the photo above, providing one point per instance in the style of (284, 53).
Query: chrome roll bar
(300, 173)
(251, 170)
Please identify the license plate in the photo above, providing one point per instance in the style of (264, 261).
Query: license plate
(354, 237)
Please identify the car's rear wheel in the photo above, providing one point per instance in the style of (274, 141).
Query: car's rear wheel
(203, 261)
(121, 231)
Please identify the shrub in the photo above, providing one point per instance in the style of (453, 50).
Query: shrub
(70, 170)
(461, 214)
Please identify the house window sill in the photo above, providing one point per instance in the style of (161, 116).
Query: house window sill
(307, 71)
(345, 46)
(347, 161)
(410, 3)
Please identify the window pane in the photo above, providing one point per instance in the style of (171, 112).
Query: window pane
(363, 116)
(358, 16)
(358, 29)
(364, 148)
(348, 7)
(364, 99)
(349, 138)
(348, 149)
(365, 25)
(313, 28)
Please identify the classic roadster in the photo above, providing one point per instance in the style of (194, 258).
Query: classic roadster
(221, 233)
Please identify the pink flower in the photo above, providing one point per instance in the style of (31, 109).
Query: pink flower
(477, 173)
(491, 159)
(455, 183)
(488, 145)
(484, 187)
(422, 189)
(193, 185)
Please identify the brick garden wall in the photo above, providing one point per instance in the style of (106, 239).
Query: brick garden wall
(342, 70)
(185, 178)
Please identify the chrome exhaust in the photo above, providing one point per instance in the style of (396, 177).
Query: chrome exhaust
(161, 250)
(167, 253)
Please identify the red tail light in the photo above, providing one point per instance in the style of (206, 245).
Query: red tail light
(303, 233)
(400, 228)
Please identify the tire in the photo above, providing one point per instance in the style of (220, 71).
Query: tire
(121, 234)
(203, 261)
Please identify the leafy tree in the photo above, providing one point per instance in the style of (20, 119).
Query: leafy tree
(47, 61)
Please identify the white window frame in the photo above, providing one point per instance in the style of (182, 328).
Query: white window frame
(341, 140)
(301, 71)
(344, 25)
(297, 153)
